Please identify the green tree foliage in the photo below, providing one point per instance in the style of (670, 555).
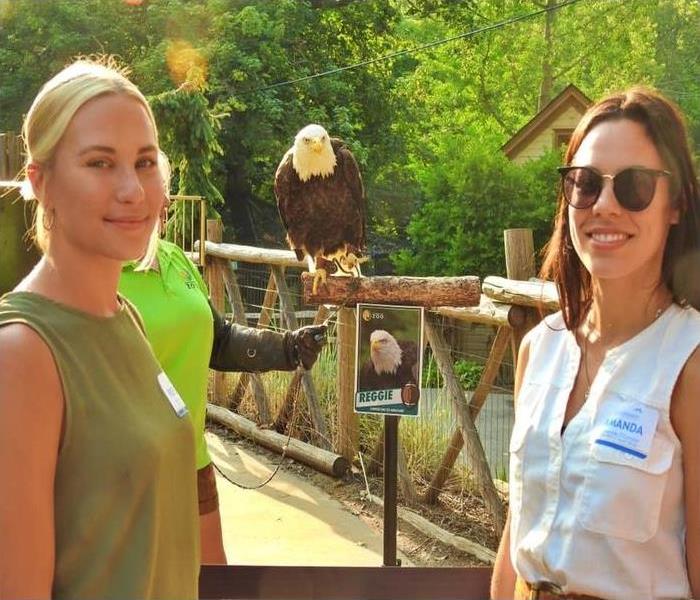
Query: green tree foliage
(426, 126)
(465, 99)
(473, 197)
(189, 138)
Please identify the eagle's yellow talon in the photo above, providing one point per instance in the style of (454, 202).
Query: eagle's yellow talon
(319, 277)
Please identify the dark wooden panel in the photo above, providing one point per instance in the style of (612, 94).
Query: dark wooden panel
(341, 583)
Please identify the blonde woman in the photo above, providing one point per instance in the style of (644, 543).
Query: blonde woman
(97, 455)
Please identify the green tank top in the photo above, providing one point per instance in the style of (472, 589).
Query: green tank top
(126, 516)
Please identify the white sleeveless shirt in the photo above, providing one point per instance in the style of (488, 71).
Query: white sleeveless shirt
(599, 510)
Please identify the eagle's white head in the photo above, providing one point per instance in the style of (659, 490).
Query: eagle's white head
(312, 153)
(384, 351)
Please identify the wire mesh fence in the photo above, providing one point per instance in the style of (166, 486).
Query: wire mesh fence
(426, 438)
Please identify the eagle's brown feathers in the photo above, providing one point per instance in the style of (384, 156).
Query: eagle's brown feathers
(325, 214)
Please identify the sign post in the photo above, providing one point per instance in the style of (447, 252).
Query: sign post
(391, 445)
(388, 381)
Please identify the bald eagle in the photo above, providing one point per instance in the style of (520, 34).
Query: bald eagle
(391, 365)
(321, 202)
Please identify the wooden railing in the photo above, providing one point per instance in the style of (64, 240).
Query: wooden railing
(187, 223)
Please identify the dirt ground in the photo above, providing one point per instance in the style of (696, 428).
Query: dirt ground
(461, 515)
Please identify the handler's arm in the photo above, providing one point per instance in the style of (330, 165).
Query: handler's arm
(504, 576)
(685, 416)
(247, 349)
(31, 417)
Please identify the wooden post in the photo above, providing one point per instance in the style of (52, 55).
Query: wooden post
(307, 382)
(408, 490)
(498, 348)
(475, 451)
(215, 282)
(520, 264)
(375, 462)
(263, 320)
(236, 300)
(266, 313)
(520, 253)
(294, 387)
(348, 429)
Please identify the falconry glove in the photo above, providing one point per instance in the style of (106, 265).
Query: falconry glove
(247, 349)
(305, 344)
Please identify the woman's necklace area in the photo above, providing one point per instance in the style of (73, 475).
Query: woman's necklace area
(585, 347)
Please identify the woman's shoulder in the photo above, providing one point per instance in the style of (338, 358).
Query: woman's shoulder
(25, 353)
(170, 253)
(169, 248)
(550, 326)
(684, 321)
(688, 313)
(18, 338)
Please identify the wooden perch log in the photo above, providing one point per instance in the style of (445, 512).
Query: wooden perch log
(252, 254)
(524, 293)
(322, 460)
(488, 312)
(410, 291)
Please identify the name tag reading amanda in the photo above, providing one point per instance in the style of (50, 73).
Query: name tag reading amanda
(628, 427)
(172, 395)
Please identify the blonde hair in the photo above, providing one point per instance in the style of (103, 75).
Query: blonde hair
(165, 170)
(52, 111)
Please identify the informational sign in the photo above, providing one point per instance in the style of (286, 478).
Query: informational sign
(389, 359)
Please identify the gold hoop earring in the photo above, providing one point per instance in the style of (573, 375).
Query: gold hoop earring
(48, 223)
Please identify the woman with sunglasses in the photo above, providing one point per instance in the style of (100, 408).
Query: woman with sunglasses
(605, 450)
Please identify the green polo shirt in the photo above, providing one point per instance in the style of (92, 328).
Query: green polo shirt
(172, 300)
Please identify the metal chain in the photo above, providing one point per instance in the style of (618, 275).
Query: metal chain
(290, 425)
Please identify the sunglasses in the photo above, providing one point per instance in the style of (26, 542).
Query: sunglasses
(634, 187)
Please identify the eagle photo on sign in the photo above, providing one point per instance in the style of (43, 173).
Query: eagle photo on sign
(389, 359)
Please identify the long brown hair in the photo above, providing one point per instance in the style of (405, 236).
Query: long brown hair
(680, 270)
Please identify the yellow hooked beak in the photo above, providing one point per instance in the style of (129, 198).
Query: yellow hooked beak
(317, 146)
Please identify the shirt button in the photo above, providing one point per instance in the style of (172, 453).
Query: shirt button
(251, 352)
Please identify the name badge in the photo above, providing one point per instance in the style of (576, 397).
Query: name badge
(172, 395)
(627, 427)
